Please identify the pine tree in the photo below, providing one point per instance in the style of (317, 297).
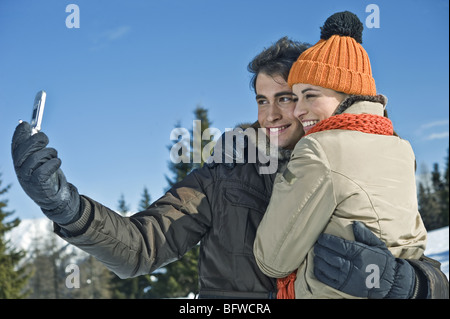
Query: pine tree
(428, 207)
(183, 167)
(47, 262)
(180, 278)
(123, 207)
(13, 275)
(441, 194)
(427, 202)
(145, 201)
(95, 281)
(433, 197)
(42, 267)
(200, 125)
(445, 195)
(181, 170)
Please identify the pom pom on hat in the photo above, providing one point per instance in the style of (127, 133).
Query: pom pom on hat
(337, 61)
(345, 24)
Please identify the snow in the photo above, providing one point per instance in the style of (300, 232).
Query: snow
(32, 233)
(437, 247)
(31, 230)
(28, 232)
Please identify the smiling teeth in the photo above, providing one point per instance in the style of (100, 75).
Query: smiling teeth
(276, 129)
(309, 123)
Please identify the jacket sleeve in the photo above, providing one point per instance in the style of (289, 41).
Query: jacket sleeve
(431, 282)
(139, 244)
(301, 205)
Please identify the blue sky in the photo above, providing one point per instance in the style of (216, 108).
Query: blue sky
(118, 84)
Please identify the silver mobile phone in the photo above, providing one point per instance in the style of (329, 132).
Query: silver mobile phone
(38, 112)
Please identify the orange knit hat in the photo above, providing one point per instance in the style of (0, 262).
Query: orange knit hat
(338, 61)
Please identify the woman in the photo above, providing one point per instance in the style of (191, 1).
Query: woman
(350, 166)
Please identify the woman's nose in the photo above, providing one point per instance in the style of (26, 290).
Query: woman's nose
(299, 111)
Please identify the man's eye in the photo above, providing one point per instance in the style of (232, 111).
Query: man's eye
(286, 99)
(261, 102)
(310, 96)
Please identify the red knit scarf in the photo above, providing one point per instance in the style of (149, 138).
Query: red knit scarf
(366, 123)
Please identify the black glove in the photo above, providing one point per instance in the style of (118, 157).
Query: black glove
(38, 172)
(362, 268)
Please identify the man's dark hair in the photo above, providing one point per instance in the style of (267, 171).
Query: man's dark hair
(276, 59)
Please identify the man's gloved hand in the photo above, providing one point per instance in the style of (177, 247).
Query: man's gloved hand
(352, 266)
(38, 172)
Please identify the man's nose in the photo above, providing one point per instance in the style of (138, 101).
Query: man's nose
(274, 113)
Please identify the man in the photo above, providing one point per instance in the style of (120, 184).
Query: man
(218, 205)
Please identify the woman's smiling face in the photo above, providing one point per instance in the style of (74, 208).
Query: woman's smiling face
(315, 104)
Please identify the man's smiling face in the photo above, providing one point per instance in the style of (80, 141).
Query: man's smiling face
(276, 105)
